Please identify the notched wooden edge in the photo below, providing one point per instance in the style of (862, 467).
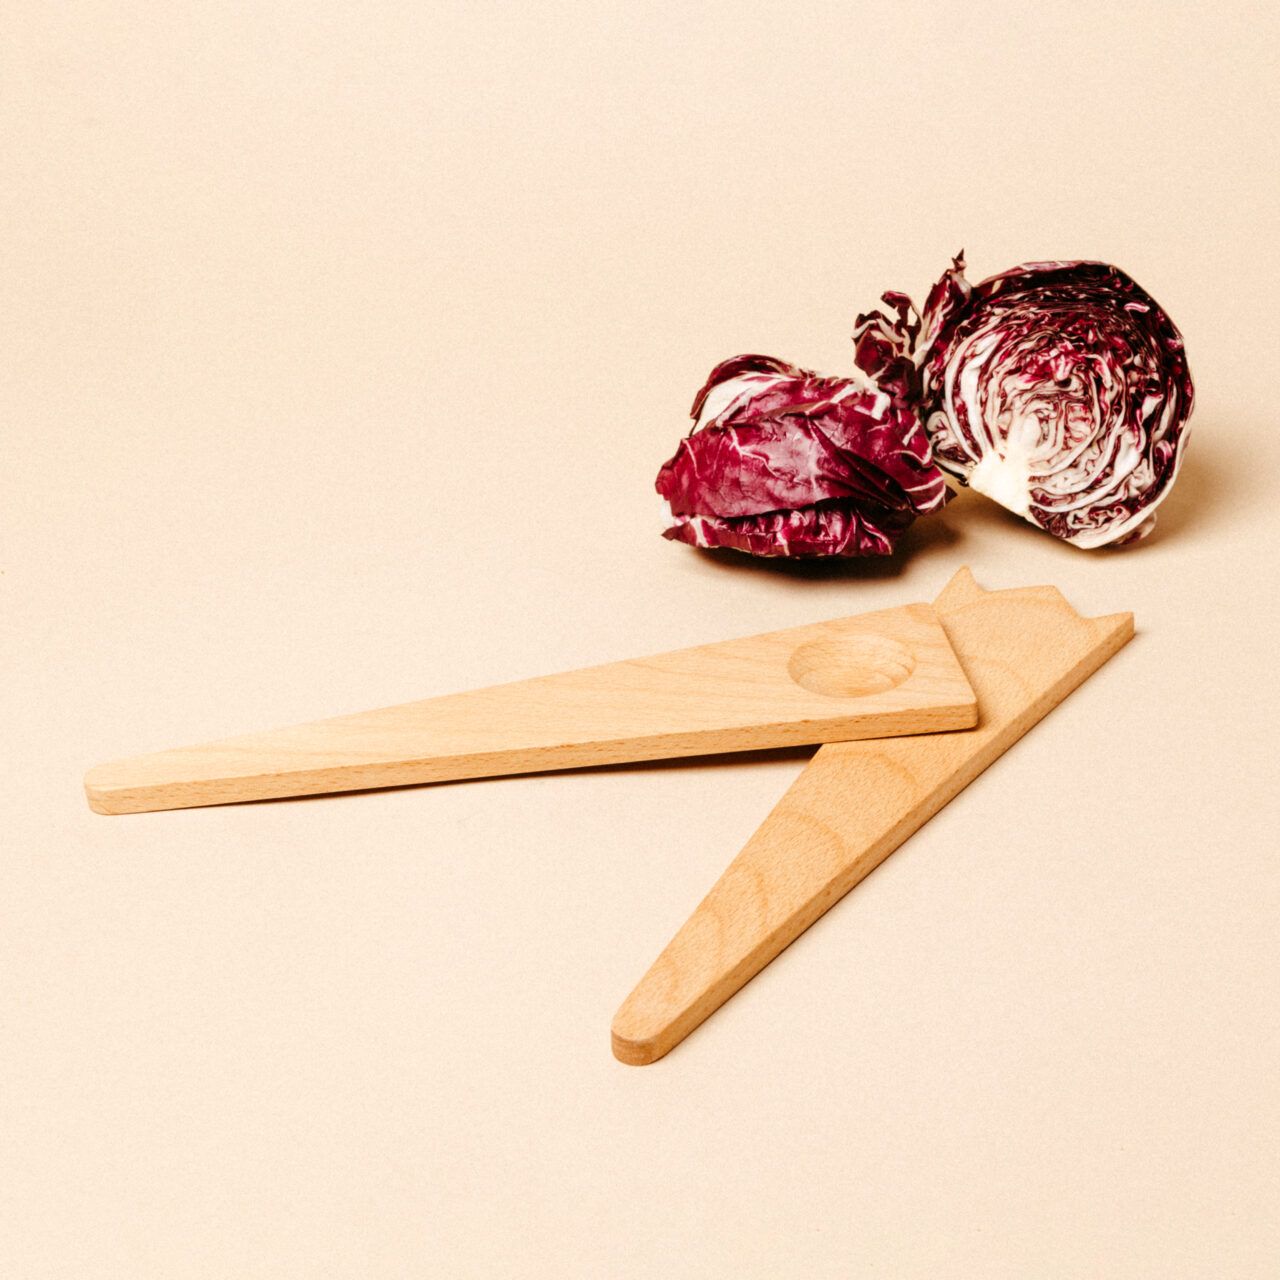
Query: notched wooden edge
(963, 588)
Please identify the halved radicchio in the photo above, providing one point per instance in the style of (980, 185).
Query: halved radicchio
(1060, 389)
(783, 462)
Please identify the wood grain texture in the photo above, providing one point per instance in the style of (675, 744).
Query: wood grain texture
(856, 802)
(876, 674)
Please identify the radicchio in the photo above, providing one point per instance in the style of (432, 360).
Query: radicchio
(784, 462)
(1060, 389)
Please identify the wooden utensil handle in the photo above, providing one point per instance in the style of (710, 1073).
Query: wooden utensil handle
(889, 672)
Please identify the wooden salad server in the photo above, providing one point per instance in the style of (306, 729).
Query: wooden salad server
(856, 802)
(873, 675)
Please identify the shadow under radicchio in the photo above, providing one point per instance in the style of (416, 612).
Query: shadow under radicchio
(1212, 485)
(925, 537)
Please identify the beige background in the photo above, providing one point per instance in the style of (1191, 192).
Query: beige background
(340, 345)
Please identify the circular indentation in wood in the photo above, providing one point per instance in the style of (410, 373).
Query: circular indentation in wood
(851, 666)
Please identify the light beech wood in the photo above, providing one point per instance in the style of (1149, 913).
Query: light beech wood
(876, 674)
(856, 802)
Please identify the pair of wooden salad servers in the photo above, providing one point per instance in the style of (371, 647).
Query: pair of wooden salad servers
(913, 703)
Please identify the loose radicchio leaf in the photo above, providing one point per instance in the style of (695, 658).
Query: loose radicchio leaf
(1060, 389)
(784, 462)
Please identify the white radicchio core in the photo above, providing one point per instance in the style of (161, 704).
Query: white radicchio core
(1060, 389)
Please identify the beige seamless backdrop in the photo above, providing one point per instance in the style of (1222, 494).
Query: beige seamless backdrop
(339, 345)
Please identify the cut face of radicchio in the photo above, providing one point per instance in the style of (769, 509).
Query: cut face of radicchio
(1060, 389)
(783, 462)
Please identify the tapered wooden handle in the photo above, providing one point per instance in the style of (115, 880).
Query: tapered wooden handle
(856, 802)
(883, 673)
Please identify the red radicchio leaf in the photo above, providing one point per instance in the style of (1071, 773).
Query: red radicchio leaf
(784, 462)
(1060, 389)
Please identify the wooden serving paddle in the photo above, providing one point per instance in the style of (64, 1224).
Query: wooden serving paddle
(856, 802)
(874, 675)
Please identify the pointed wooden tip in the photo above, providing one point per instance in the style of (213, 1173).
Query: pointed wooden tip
(99, 794)
(961, 589)
(645, 1028)
(1117, 626)
(123, 786)
(636, 1053)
